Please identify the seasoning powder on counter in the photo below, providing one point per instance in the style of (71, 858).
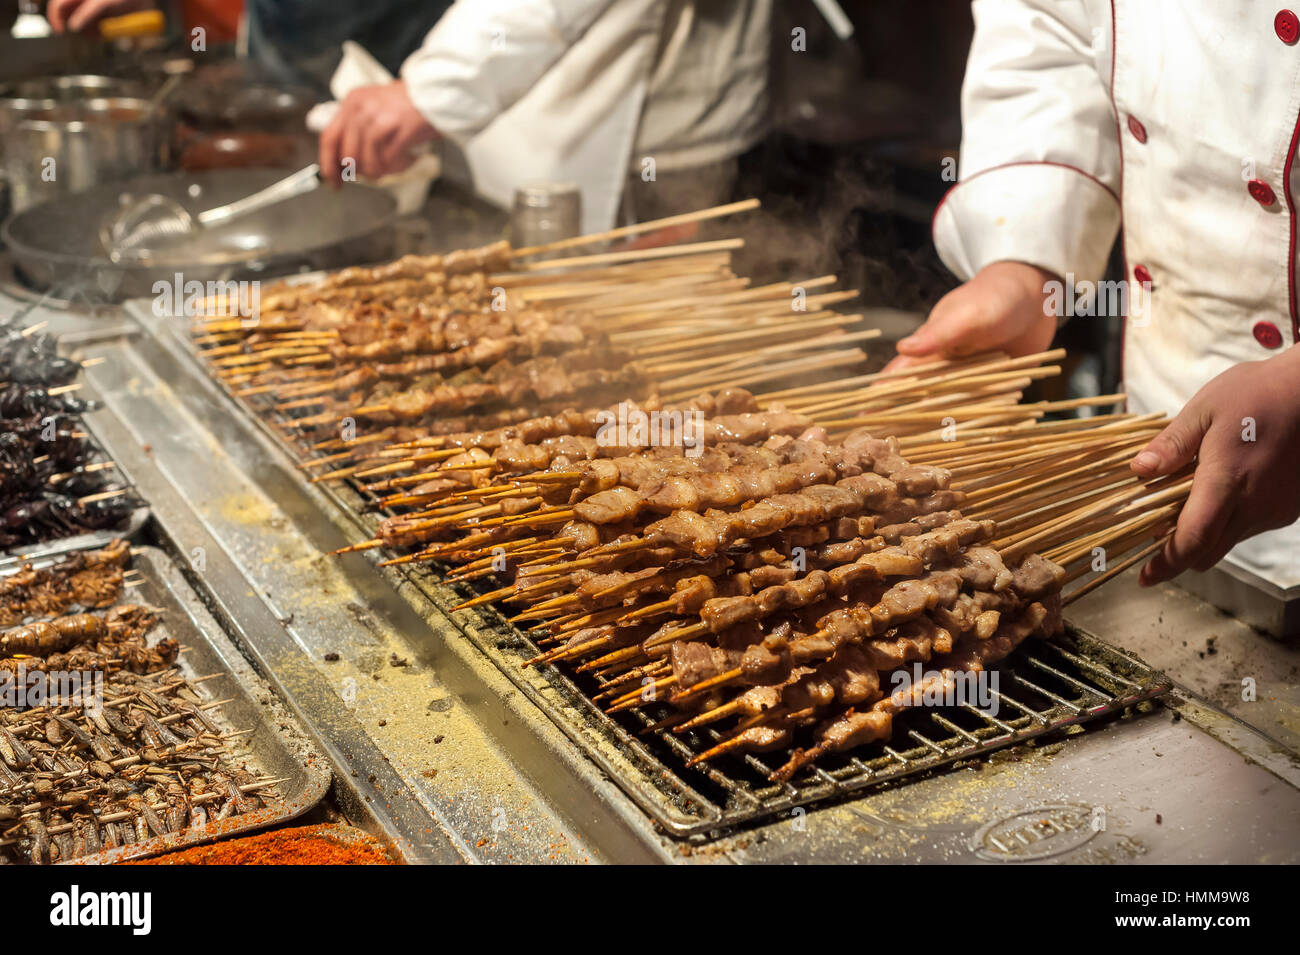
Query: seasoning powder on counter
(306, 845)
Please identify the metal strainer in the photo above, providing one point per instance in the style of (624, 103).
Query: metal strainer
(142, 224)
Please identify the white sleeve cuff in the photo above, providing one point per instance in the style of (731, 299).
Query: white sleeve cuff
(1049, 215)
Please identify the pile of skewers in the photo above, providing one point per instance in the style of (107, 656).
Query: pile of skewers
(91, 580)
(474, 340)
(52, 481)
(82, 774)
(772, 583)
(760, 564)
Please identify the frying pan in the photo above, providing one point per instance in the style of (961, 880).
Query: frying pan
(56, 245)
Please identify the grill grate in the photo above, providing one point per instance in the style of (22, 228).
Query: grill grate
(1044, 687)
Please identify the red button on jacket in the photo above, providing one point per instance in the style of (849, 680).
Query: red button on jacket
(1266, 334)
(1137, 129)
(1261, 192)
(1287, 25)
(1141, 275)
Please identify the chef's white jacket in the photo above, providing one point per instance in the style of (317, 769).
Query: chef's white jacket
(1180, 117)
(584, 91)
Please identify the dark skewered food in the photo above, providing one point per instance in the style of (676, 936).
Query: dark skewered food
(52, 483)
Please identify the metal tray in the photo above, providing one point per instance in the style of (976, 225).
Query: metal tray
(93, 540)
(344, 836)
(1248, 597)
(277, 746)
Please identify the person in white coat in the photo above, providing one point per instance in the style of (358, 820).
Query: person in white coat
(657, 95)
(583, 91)
(1180, 120)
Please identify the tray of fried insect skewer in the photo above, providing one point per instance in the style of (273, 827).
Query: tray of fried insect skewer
(60, 490)
(129, 725)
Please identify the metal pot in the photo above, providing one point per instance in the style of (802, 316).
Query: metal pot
(81, 86)
(50, 149)
(227, 119)
(13, 109)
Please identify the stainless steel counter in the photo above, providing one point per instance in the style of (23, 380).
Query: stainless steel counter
(437, 750)
(1244, 673)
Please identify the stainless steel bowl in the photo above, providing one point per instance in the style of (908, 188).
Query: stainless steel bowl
(52, 148)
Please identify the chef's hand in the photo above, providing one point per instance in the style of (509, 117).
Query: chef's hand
(373, 133)
(75, 16)
(1243, 429)
(1002, 307)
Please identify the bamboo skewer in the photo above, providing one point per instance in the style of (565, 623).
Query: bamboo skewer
(603, 258)
(1115, 571)
(653, 225)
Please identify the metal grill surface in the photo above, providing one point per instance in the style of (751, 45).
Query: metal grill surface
(1044, 687)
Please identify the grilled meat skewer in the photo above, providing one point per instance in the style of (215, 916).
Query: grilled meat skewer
(852, 728)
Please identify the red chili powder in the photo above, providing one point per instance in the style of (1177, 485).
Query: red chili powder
(305, 845)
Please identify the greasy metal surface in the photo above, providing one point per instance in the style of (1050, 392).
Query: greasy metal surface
(1151, 788)
(1244, 673)
(277, 748)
